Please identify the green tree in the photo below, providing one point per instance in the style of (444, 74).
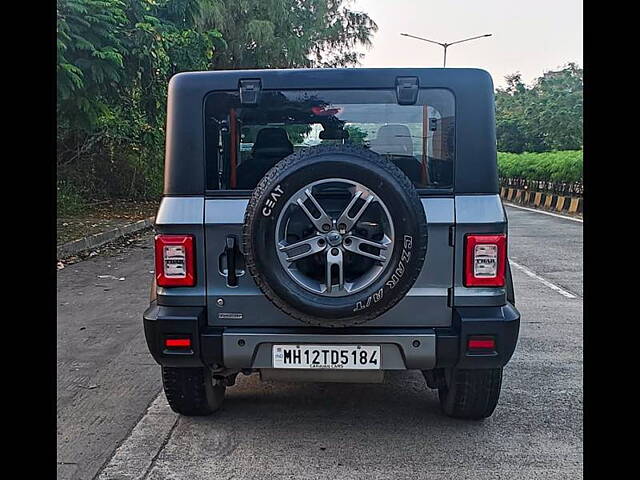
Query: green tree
(90, 57)
(115, 59)
(289, 33)
(546, 116)
(558, 108)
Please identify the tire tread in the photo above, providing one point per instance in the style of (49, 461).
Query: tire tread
(472, 394)
(187, 391)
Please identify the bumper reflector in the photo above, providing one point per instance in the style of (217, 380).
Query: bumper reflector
(177, 343)
(481, 343)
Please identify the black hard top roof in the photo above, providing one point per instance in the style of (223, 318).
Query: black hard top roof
(475, 157)
(453, 78)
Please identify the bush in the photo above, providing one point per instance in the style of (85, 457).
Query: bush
(69, 201)
(558, 166)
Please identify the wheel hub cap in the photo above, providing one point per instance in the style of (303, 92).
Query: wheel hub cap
(334, 237)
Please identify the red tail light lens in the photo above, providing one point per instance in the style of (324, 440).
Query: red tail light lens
(485, 257)
(174, 261)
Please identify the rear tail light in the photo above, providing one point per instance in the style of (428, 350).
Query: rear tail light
(174, 261)
(485, 257)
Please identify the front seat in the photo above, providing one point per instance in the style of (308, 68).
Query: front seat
(272, 145)
(395, 141)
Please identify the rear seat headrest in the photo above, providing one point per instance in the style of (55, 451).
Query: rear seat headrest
(272, 142)
(394, 139)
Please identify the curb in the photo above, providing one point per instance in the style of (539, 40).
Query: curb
(545, 201)
(99, 239)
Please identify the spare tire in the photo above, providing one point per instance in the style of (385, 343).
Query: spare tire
(335, 235)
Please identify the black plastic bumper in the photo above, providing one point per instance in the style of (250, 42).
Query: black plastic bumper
(162, 322)
(502, 323)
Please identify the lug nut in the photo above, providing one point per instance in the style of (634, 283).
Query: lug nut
(334, 251)
(342, 227)
(321, 242)
(326, 227)
(347, 241)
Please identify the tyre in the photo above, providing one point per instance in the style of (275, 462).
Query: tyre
(335, 235)
(435, 378)
(470, 394)
(192, 391)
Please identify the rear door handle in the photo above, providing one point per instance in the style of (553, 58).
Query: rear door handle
(230, 251)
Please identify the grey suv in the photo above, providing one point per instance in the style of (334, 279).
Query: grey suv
(332, 225)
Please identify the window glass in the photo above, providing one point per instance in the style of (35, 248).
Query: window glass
(243, 142)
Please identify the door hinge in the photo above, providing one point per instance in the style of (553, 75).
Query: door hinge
(407, 90)
(250, 91)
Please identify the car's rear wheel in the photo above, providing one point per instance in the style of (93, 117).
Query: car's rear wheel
(470, 393)
(192, 391)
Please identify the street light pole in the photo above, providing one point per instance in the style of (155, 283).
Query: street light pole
(445, 45)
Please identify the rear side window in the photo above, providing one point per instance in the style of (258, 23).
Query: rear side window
(243, 142)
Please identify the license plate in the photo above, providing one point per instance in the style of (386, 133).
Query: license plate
(351, 357)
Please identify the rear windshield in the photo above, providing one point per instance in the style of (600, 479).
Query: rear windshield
(243, 142)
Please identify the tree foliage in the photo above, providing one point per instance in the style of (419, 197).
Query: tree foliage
(90, 56)
(290, 33)
(356, 134)
(546, 116)
(115, 59)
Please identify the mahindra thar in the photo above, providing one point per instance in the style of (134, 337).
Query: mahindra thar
(331, 225)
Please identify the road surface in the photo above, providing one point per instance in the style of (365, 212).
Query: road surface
(114, 422)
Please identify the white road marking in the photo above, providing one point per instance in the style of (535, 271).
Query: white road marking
(552, 286)
(566, 217)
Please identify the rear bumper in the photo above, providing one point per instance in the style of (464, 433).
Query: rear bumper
(402, 348)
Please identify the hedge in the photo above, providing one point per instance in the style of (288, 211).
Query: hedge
(558, 166)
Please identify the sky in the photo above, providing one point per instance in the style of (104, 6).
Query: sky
(528, 36)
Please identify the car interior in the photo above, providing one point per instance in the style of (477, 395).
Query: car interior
(246, 142)
(272, 145)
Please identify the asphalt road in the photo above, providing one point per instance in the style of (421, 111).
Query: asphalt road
(113, 422)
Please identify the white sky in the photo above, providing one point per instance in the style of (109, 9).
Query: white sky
(528, 36)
